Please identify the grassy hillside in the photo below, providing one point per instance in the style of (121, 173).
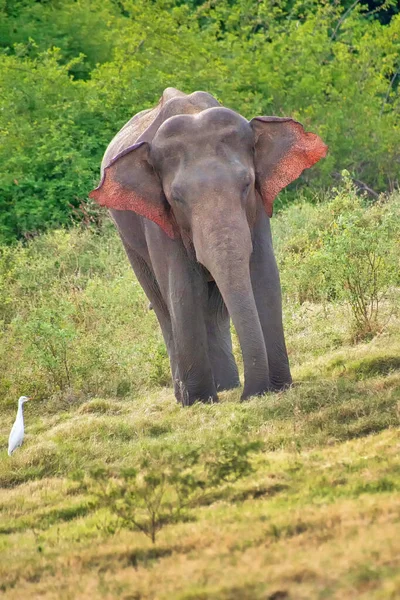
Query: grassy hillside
(310, 510)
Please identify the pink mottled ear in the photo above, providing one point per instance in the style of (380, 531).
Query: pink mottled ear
(282, 151)
(130, 183)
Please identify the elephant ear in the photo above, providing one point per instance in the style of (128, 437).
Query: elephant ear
(129, 182)
(282, 151)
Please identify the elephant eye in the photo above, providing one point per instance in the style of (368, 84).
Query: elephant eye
(246, 189)
(177, 196)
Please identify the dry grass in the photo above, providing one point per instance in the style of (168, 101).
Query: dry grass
(318, 518)
(330, 531)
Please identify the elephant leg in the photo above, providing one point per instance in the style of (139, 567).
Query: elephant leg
(267, 293)
(225, 371)
(184, 289)
(147, 280)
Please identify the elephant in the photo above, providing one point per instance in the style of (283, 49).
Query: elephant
(190, 186)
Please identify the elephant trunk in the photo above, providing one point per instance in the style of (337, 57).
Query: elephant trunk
(226, 255)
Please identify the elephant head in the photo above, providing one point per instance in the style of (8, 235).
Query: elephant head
(200, 178)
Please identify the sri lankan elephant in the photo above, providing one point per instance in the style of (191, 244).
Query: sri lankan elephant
(190, 185)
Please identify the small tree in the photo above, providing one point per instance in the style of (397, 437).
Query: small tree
(230, 460)
(147, 497)
(345, 249)
(360, 256)
(49, 332)
(160, 489)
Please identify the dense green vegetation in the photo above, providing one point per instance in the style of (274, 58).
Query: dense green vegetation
(292, 495)
(73, 71)
(73, 317)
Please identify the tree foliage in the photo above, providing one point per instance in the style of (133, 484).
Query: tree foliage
(72, 72)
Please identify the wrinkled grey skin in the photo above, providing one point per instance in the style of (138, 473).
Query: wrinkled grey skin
(221, 264)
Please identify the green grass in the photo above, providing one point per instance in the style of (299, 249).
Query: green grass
(316, 519)
(319, 516)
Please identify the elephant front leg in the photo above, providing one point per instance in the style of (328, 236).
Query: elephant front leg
(147, 280)
(267, 294)
(194, 380)
(184, 290)
(224, 368)
(166, 328)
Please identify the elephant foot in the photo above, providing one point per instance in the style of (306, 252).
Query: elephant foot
(229, 384)
(225, 372)
(270, 388)
(281, 384)
(187, 397)
(281, 387)
(280, 376)
(255, 389)
(194, 399)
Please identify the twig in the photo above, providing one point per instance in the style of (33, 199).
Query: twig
(361, 185)
(342, 18)
(388, 91)
(386, 4)
(364, 187)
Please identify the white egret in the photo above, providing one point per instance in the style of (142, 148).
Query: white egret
(17, 432)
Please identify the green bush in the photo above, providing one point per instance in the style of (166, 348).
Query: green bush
(162, 487)
(362, 255)
(345, 249)
(230, 460)
(73, 316)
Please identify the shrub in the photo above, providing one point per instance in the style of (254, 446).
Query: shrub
(345, 249)
(230, 460)
(72, 315)
(362, 256)
(161, 487)
(144, 499)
